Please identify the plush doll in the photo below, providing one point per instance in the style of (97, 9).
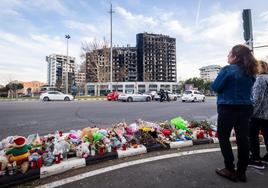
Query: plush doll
(20, 151)
(6, 143)
(61, 149)
(48, 159)
(82, 151)
(3, 164)
(88, 131)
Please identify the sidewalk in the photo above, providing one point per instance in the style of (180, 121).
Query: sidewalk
(188, 167)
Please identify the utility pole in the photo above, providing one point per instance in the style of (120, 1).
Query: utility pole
(111, 47)
(67, 66)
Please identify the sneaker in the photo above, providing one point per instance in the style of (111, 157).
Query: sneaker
(256, 164)
(265, 159)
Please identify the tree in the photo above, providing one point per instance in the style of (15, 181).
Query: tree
(13, 87)
(199, 83)
(95, 56)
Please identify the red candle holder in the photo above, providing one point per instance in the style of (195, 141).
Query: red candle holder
(124, 147)
(101, 151)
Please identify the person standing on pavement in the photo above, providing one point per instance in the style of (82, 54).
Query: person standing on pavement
(259, 120)
(234, 105)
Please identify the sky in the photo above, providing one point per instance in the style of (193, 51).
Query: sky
(205, 30)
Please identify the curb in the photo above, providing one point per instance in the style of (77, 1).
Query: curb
(73, 163)
(19, 100)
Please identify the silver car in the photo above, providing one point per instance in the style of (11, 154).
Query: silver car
(134, 97)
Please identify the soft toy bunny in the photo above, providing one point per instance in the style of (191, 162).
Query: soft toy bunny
(82, 151)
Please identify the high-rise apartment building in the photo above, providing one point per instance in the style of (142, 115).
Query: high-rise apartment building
(156, 58)
(80, 78)
(57, 68)
(124, 65)
(209, 73)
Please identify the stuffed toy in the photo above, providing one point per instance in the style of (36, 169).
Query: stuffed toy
(48, 159)
(6, 143)
(61, 149)
(179, 123)
(3, 165)
(88, 131)
(82, 151)
(19, 151)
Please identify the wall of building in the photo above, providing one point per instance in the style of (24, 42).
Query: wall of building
(92, 88)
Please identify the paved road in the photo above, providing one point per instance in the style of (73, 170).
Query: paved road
(45, 117)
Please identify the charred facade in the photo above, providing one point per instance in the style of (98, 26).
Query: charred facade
(156, 58)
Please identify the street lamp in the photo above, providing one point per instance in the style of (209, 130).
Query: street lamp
(111, 48)
(67, 65)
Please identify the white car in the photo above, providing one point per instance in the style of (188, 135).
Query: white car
(55, 96)
(193, 95)
(172, 96)
(134, 97)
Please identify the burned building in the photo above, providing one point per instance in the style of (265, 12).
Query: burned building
(124, 65)
(156, 58)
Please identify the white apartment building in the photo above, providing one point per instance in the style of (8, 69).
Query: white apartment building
(209, 73)
(80, 78)
(57, 68)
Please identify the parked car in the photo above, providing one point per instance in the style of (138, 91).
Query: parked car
(172, 96)
(193, 95)
(55, 96)
(151, 93)
(128, 97)
(113, 96)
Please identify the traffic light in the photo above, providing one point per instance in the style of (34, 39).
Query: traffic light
(247, 25)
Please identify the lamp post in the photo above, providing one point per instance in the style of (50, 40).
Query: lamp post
(111, 48)
(67, 66)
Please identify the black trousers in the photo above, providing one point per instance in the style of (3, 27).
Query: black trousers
(256, 125)
(237, 117)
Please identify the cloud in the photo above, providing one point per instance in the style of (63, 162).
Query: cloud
(80, 26)
(136, 20)
(23, 57)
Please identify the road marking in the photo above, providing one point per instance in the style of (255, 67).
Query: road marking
(123, 165)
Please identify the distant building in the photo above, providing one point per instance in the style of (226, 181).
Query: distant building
(57, 69)
(32, 87)
(80, 78)
(209, 73)
(156, 60)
